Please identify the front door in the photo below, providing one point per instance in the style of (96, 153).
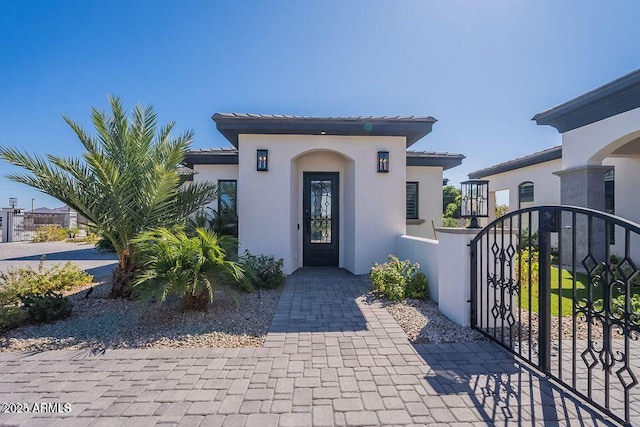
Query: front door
(320, 211)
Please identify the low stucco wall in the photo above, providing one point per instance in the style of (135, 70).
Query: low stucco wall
(424, 252)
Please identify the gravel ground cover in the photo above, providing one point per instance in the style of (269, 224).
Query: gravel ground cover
(423, 322)
(234, 320)
(567, 323)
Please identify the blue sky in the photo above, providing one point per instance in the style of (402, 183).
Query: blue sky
(482, 68)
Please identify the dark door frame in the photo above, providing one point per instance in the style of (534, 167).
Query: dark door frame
(321, 254)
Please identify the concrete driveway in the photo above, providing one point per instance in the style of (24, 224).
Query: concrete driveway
(20, 254)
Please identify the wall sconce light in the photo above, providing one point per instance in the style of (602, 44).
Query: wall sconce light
(262, 160)
(475, 200)
(383, 161)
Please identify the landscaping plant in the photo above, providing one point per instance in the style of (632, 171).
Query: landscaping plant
(126, 181)
(46, 308)
(264, 271)
(49, 233)
(399, 279)
(190, 267)
(26, 281)
(16, 285)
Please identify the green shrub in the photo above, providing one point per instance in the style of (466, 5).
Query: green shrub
(523, 264)
(49, 233)
(450, 222)
(72, 232)
(399, 279)
(25, 281)
(46, 308)
(618, 307)
(416, 286)
(263, 271)
(11, 317)
(189, 267)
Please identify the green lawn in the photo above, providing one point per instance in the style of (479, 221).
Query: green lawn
(556, 295)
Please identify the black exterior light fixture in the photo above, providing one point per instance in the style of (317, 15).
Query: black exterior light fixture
(383, 161)
(475, 200)
(262, 160)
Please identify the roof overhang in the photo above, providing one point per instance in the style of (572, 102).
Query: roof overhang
(618, 96)
(212, 157)
(444, 160)
(522, 162)
(411, 127)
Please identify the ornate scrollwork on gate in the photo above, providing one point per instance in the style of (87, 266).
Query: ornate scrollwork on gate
(606, 317)
(504, 282)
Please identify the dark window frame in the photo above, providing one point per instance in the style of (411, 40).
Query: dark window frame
(520, 198)
(417, 204)
(234, 202)
(610, 201)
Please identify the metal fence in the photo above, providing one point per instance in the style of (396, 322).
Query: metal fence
(559, 287)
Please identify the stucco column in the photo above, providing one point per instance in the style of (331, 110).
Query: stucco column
(454, 273)
(584, 187)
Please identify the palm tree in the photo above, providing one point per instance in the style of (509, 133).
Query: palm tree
(190, 267)
(126, 182)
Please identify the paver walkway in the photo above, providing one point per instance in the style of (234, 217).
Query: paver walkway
(330, 358)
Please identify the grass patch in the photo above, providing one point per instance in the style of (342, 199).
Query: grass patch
(566, 295)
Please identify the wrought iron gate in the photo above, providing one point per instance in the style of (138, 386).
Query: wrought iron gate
(559, 287)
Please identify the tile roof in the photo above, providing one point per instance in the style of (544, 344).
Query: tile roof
(615, 97)
(521, 162)
(233, 124)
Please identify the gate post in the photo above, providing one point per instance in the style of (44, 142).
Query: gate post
(454, 275)
(548, 222)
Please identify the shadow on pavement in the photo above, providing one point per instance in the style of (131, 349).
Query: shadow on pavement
(87, 254)
(503, 389)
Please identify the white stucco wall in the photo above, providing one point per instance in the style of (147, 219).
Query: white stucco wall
(590, 144)
(424, 252)
(267, 200)
(546, 185)
(429, 199)
(594, 144)
(454, 274)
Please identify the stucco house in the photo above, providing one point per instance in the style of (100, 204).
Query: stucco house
(333, 191)
(598, 164)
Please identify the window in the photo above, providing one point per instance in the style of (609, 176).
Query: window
(525, 195)
(412, 200)
(228, 195)
(610, 201)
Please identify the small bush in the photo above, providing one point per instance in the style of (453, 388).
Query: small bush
(72, 232)
(264, 271)
(189, 267)
(46, 308)
(49, 233)
(450, 222)
(618, 307)
(11, 317)
(89, 237)
(399, 279)
(416, 286)
(522, 266)
(26, 281)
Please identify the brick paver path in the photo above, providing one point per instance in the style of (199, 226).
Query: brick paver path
(331, 358)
